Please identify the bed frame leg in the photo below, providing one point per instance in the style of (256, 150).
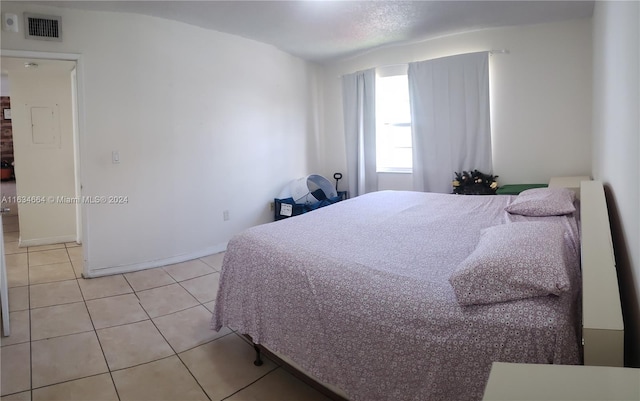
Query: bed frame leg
(258, 361)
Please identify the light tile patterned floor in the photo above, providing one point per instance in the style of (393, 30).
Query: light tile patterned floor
(137, 336)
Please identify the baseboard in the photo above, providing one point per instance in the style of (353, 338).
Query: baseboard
(110, 270)
(46, 241)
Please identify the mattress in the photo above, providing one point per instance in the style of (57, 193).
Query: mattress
(357, 294)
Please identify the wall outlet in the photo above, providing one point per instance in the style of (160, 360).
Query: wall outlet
(272, 206)
(225, 215)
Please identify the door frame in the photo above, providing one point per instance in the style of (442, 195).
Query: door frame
(4, 286)
(78, 132)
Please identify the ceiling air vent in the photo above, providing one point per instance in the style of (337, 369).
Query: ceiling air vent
(43, 27)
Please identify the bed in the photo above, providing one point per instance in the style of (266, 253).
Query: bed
(368, 296)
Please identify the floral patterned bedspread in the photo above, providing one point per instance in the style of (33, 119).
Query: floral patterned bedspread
(357, 294)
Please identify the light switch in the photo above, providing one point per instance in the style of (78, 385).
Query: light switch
(115, 157)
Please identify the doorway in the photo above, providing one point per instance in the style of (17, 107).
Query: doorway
(44, 119)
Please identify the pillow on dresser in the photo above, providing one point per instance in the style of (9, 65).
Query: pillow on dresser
(540, 202)
(513, 261)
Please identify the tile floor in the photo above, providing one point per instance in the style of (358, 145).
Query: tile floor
(134, 336)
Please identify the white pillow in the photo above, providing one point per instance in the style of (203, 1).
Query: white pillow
(538, 202)
(513, 261)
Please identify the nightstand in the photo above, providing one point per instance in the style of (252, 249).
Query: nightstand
(521, 381)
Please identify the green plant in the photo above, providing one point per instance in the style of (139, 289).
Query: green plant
(474, 183)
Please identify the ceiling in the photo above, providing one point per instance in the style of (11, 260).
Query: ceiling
(12, 63)
(325, 30)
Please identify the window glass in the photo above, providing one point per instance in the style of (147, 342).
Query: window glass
(393, 124)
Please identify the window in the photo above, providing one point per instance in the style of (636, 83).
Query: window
(393, 124)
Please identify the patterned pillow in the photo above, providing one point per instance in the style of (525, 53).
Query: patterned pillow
(513, 261)
(539, 202)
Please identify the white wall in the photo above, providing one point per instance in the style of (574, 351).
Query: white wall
(540, 97)
(204, 122)
(43, 169)
(616, 148)
(394, 181)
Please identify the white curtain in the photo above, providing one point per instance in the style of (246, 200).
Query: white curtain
(450, 124)
(358, 102)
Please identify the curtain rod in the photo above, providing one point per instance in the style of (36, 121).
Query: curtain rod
(491, 53)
